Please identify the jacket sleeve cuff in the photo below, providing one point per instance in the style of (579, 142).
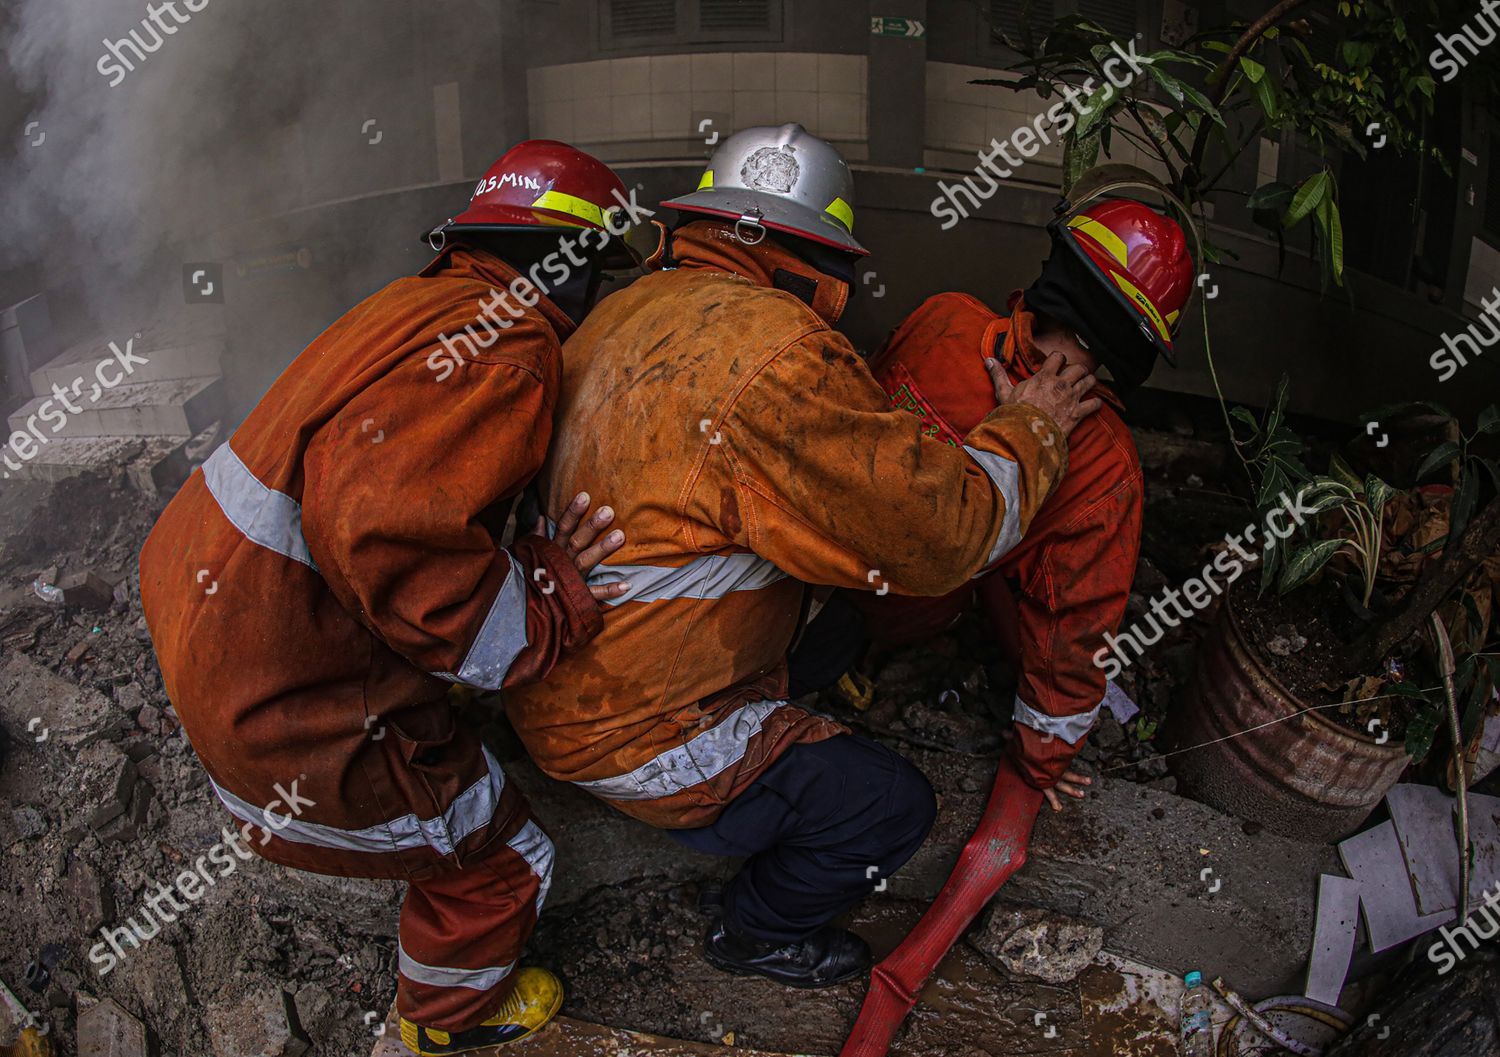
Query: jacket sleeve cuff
(1024, 454)
(1045, 746)
(561, 613)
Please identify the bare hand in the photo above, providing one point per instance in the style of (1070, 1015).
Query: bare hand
(580, 540)
(1071, 783)
(1057, 388)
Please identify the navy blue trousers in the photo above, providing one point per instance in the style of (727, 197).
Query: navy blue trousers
(811, 828)
(827, 648)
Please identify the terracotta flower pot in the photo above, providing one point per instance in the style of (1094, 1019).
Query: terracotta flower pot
(1306, 777)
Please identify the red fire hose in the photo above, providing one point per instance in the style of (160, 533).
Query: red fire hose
(995, 851)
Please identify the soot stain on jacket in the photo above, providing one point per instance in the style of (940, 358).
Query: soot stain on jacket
(650, 373)
(729, 513)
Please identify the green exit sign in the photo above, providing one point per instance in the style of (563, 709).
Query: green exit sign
(897, 27)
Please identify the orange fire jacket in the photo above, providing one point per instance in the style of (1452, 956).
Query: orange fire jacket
(748, 452)
(313, 590)
(1077, 561)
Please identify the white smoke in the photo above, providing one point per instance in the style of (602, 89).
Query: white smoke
(223, 121)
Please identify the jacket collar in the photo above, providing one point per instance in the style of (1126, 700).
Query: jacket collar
(459, 261)
(712, 246)
(1013, 342)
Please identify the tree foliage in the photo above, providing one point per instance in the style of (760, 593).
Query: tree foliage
(1338, 84)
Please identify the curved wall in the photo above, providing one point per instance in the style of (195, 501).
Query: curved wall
(904, 113)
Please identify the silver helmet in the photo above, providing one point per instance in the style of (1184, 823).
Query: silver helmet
(783, 178)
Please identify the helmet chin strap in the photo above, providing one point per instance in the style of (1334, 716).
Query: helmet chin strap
(835, 264)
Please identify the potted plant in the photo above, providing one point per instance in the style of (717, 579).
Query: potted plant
(1309, 701)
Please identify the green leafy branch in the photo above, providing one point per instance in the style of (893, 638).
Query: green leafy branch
(1363, 507)
(1463, 461)
(1223, 89)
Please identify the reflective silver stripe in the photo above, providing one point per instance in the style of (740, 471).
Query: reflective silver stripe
(470, 811)
(501, 638)
(531, 844)
(264, 515)
(274, 521)
(1070, 729)
(1006, 475)
(689, 764)
(707, 576)
(435, 976)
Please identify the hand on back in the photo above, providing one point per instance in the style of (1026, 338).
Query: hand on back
(1059, 389)
(585, 543)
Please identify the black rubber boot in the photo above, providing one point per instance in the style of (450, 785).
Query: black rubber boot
(827, 957)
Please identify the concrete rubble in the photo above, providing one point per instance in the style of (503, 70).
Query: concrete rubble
(105, 1029)
(264, 1024)
(110, 782)
(1050, 947)
(147, 423)
(567, 1037)
(86, 589)
(104, 801)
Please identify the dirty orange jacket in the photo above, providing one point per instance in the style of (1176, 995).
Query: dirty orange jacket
(313, 590)
(748, 452)
(1077, 561)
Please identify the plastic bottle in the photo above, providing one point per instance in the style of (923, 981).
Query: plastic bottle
(1197, 1036)
(46, 592)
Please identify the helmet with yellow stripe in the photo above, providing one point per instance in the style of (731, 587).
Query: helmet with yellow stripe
(1140, 256)
(782, 178)
(543, 183)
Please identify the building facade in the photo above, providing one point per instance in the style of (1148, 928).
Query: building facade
(649, 85)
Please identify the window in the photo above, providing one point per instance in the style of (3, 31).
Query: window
(1491, 224)
(734, 15)
(1013, 17)
(1010, 17)
(1120, 17)
(637, 23)
(642, 18)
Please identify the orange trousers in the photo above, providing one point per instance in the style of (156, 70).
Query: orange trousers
(463, 929)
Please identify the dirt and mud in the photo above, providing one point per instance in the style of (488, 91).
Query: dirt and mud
(629, 955)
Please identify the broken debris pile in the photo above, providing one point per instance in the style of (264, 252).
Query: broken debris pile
(1404, 883)
(105, 807)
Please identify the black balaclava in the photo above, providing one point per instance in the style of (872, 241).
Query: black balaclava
(834, 263)
(525, 250)
(1071, 292)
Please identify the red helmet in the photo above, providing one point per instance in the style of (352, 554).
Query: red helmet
(542, 182)
(1143, 259)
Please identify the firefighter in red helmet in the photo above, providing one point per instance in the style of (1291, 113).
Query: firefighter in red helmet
(354, 528)
(1111, 295)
